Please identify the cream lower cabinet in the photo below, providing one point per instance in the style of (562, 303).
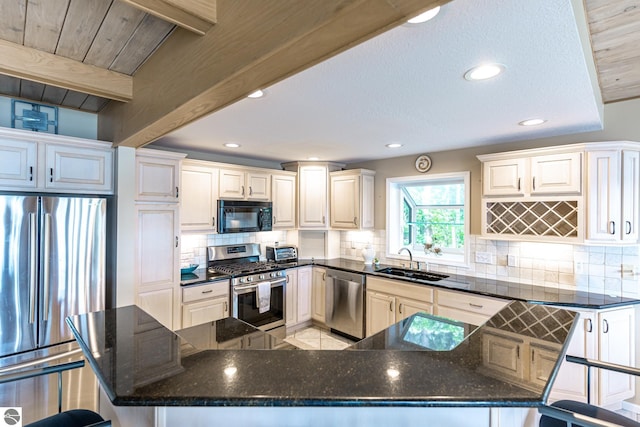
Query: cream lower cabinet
(198, 206)
(607, 335)
(466, 307)
(298, 296)
(157, 262)
(318, 295)
(389, 301)
(205, 303)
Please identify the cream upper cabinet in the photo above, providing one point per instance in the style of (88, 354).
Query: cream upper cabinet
(54, 163)
(534, 175)
(158, 176)
(198, 207)
(244, 185)
(352, 197)
(613, 199)
(18, 163)
(283, 186)
(313, 192)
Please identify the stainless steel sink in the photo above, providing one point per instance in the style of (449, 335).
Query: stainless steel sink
(412, 274)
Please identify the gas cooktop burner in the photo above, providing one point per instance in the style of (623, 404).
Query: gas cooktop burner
(242, 268)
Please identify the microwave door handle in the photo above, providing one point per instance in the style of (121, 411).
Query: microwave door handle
(260, 219)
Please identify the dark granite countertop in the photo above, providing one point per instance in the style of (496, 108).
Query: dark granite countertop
(495, 288)
(141, 363)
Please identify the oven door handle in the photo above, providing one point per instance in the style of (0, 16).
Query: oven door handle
(275, 283)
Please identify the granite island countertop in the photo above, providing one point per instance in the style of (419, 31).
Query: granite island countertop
(422, 361)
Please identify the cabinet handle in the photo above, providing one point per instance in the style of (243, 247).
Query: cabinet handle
(390, 305)
(243, 190)
(533, 355)
(275, 221)
(287, 278)
(518, 352)
(322, 219)
(605, 325)
(355, 220)
(213, 221)
(589, 325)
(30, 173)
(207, 292)
(519, 184)
(628, 223)
(612, 227)
(475, 305)
(50, 174)
(176, 241)
(400, 309)
(250, 190)
(177, 192)
(226, 306)
(534, 183)
(324, 276)
(249, 341)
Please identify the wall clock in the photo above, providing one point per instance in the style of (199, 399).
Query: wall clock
(423, 163)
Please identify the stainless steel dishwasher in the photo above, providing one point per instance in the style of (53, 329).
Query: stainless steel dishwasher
(344, 309)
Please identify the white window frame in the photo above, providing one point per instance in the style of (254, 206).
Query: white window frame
(395, 215)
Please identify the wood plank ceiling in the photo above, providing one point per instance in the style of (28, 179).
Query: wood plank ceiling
(121, 35)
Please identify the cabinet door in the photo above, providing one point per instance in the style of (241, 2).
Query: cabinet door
(319, 298)
(345, 201)
(284, 201)
(603, 213)
(159, 303)
(291, 298)
(199, 198)
(381, 312)
(630, 195)
(158, 179)
(542, 361)
(367, 207)
(617, 345)
(70, 168)
(18, 165)
(259, 186)
(313, 197)
(503, 177)
(204, 311)
(304, 294)
(502, 355)
(571, 380)
(556, 174)
(232, 184)
(409, 307)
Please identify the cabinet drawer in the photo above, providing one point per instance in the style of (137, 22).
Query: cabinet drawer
(476, 304)
(208, 290)
(399, 288)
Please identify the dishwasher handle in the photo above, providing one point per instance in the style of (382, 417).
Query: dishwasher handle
(346, 275)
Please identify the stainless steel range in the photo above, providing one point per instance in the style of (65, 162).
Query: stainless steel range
(257, 287)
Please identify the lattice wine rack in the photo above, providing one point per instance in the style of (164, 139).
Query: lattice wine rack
(539, 218)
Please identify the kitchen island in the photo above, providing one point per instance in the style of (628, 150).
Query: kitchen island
(229, 371)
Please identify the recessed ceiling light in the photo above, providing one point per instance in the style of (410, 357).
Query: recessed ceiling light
(257, 94)
(483, 72)
(313, 158)
(424, 17)
(532, 122)
(394, 145)
(232, 145)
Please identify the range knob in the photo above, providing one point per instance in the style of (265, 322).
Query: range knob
(241, 280)
(275, 274)
(262, 277)
(249, 279)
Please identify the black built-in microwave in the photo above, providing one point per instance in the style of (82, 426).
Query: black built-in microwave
(239, 216)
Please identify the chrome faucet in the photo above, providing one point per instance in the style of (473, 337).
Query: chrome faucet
(410, 257)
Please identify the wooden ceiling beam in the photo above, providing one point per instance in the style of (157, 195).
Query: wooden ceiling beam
(254, 45)
(197, 16)
(42, 67)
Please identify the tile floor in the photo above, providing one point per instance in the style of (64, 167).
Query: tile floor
(314, 338)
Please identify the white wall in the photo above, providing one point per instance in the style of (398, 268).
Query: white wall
(70, 122)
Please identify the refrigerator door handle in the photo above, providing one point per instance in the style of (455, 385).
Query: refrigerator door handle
(32, 267)
(45, 264)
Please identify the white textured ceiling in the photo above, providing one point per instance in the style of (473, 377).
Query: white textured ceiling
(407, 86)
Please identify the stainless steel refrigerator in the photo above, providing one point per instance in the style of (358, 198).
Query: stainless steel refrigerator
(52, 265)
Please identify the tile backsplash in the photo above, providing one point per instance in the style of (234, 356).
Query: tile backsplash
(600, 269)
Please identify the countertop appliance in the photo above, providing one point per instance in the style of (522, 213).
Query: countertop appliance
(242, 262)
(344, 309)
(52, 266)
(239, 216)
(286, 253)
